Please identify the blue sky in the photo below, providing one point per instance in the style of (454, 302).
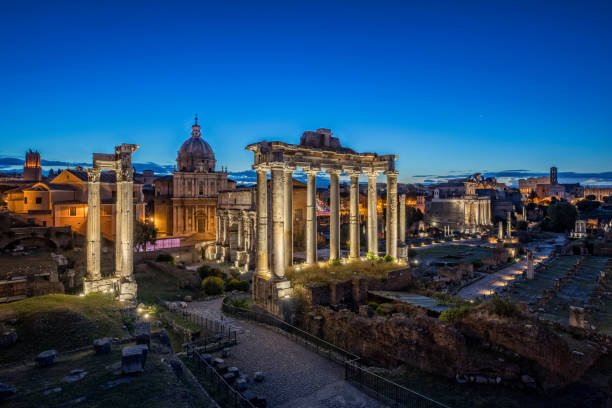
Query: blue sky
(451, 87)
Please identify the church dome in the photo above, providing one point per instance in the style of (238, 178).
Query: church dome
(195, 155)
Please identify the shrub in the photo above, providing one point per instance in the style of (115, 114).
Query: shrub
(503, 307)
(335, 262)
(213, 285)
(454, 314)
(237, 284)
(241, 303)
(388, 258)
(164, 257)
(206, 271)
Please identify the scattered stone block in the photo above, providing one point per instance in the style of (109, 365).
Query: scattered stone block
(229, 377)
(7, 390)
(234, 370)
(225, 353)
(133, 359)
(46, 358)
(218, 361)
(183, 305)
(103, 345)
(207, 358)
(222, 369)
(74, 376)
(259, 376)
(8, 338)
(111, 384)
(142, 332)
(187, 298)
(52, 391)
(241, 384)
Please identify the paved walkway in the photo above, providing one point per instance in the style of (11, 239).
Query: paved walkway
(295, 377)
(497, 281)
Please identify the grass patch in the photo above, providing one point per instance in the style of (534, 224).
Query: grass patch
(60, 322)
(155, 285)
(454, 314)
(325, 272)
(181, 321)
(241, 303)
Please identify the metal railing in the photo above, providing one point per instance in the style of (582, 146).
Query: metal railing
(379, 387)
(213, 325)
(225, 394)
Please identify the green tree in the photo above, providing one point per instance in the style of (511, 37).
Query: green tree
(144, 233)
(587, 205)
(561, 216)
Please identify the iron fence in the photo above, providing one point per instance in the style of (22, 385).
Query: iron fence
(226, 395)
(379, 387)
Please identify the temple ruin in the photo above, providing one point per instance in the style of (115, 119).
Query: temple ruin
(317, 151)
(123, 282)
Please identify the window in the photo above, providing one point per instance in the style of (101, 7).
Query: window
(38, 200)
(298, 214)
(25, 200)
(72, 211)
(44, 223)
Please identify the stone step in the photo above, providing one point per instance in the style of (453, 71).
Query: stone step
(283, 284)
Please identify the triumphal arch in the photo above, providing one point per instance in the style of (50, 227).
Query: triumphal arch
(123, 282)
(318, 151)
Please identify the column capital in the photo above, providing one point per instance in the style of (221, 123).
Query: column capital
(261, 168)
(353, 172)
(311, 170)
(289, 168)
(123, 174)
(277, 166)
(372, 173)
(333, 171)
(93, 175)
(392, 173)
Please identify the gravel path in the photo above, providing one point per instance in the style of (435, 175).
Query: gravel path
(294, 376)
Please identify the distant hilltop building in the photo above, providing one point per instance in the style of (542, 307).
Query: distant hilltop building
(31, 168)
(186, 202)
(548, 187)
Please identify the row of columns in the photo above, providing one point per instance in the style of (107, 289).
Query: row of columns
(281, 208)
(124, 224)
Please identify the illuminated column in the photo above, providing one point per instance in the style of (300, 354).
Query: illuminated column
(262, 221)
(509, 226)
(391, 234)
(127, 222)
(288, 215)
(240, 233)
(278, 212)
(93, 224)
(311, 217)
(218, 228)
(118, 223)
(354, 215)
(372, 214)
(500, 232)
(334, 216)
(402, 219)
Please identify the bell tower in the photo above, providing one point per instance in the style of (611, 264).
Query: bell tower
(31, 167)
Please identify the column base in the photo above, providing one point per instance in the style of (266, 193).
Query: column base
(275, 296)
(127, 291)
(106, 285)
(402, 252)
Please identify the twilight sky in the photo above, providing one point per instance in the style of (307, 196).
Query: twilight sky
(451, 87)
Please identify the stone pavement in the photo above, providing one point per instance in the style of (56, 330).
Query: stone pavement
(294, 376)
(497, 281)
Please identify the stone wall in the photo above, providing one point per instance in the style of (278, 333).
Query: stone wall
(354, 292)
(478, 345)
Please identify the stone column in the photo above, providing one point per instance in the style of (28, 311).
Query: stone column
(127, 227)
(334, 216)
(311, 217)
(509, 226)
(500, 232)
(278, 213)
(240, 246)
(217, 228)
(288, 215)
(372, 214)
(354, 216)
(262, 222)
(402, 219)
(391, 235)
(93, 224)
(118, 223)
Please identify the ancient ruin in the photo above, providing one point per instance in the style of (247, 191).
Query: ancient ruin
(317, 151)
(123, 281)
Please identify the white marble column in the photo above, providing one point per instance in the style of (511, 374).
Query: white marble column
(118, 223)
(217, 229)
(311, 217)
(391, 234)
(240, 245)
(127, 228)
(262, 222)
(402, 219)
(278, 212)
(93, 224)
(354, 216)
(372, 214)
(334, 216)
(288, 215)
